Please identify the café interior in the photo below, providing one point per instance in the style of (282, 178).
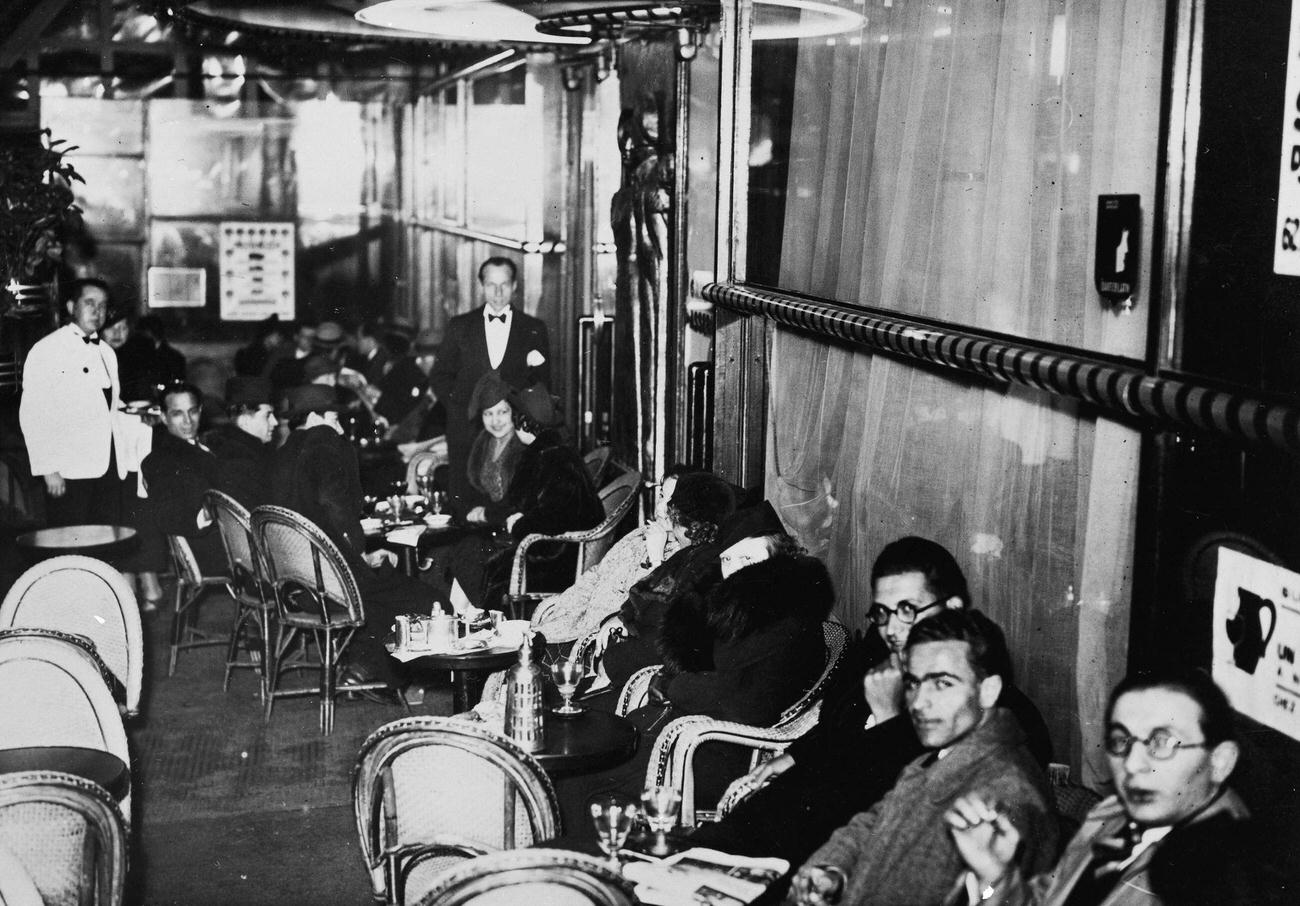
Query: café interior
(1015, 277)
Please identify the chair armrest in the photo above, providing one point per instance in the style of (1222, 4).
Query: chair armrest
(740, 789)
(673, 756)
(636, 690)
(519, 565)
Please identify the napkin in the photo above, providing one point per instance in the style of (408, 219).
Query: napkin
(409, 536)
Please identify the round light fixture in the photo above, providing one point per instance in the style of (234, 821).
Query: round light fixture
(462, 20)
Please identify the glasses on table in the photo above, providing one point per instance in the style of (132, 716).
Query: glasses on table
(613, 817)
(905, 611)
(1160, 745)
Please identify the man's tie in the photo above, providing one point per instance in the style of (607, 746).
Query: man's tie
(1102, 873)
(88, 340)
(501, 318)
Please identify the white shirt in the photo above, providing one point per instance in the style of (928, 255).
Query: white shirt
(497, 333)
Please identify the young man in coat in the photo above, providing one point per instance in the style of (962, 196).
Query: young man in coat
(75, 439)
(243, 445)
(1171, 745)
(495, 336)
(899, 853)
(177, 473)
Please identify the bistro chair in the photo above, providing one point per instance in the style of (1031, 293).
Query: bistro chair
(55, 696)
(247, 585)
(316, 597)
(671, 759)
(547, 877)
(65, 835)
(191, 587)
(422, 466)
(618, 497)
(87, 597)
(430, 792)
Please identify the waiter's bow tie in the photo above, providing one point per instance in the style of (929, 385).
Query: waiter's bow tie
(94, 339)
(501, 318)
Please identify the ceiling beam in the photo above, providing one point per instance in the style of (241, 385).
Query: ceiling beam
(28, 31)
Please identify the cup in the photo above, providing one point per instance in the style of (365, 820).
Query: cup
(497, 618)
(403, 623)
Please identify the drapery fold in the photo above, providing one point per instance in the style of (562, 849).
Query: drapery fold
(945, 162)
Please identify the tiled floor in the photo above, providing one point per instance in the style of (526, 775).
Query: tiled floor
(230, 809)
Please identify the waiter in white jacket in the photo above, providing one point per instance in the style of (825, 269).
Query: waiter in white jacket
(69, 416)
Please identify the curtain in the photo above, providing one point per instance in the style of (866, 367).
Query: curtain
(945, 162)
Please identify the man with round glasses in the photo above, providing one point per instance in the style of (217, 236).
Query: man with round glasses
(1171, 748)
(863, 739)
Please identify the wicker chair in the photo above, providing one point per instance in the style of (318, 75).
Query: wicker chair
(596, 460)
(247, 585)
(316, 595)
(554, 877)
(618, 497)
(675, 747)
(430, 792)
(66, 835)
(421, 464)
(55, 696)
(87, 597)
(191, 587)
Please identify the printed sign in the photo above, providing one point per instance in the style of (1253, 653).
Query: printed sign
(1286, 243)
(256, 270)
(1256, 639)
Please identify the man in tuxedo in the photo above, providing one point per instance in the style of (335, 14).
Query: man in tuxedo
(495, 336)
(75, 440)
(1170, 741)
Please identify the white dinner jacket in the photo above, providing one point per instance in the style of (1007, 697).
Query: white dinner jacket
(65, 422)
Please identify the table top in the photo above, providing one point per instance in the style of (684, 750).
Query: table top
(587, 742)
(77, 539)
(95, 765)
(479, 659)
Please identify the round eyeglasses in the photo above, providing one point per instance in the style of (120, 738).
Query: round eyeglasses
(906, 611)
(1160, 745)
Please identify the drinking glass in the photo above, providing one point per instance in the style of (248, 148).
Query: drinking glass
(660, 805)
(613, 816)
(567, 673)
(437, 502)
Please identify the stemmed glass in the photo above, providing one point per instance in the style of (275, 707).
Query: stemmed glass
(613, 816)
(660, 805)
(568, 673)
(437, 502)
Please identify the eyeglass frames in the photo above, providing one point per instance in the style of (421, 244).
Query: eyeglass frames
(1160, 745)
(906, 611)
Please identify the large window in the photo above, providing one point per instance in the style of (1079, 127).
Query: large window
(944, 160)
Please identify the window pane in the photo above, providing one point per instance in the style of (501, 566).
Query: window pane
(943, 159)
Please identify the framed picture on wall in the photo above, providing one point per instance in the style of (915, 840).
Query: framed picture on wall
(257, 270)
(178, 287)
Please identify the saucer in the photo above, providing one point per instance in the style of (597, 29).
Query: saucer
(437, 520)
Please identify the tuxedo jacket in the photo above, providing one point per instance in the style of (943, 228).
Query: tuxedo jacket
(463, 359)
(66, 424)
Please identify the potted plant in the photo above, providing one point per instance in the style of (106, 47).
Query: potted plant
(36, 203)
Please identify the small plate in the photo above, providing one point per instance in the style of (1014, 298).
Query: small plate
(437, 520)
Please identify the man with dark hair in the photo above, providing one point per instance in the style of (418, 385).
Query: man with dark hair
(862, 739)
(285, 366)
(75, 440)
(243, 445)
(166, 362)
(369, 356)
(177, 473)
(494, 336)
(899, 852)
(1171, 746)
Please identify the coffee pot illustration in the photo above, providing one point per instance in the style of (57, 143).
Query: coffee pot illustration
(1246, 629)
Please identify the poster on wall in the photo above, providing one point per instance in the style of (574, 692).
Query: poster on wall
(1256, 639)
(257, 272)
(1286, 241)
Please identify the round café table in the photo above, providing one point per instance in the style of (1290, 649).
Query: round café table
(467, 670)
(101, 541)
(586, 742)
(95, 765)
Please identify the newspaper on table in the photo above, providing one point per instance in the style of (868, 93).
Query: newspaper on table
(703, 876)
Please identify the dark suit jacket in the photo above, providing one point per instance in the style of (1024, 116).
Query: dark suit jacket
(400, 389)
(243, 465)
(463, 359)
(177, 475)
(315, 473)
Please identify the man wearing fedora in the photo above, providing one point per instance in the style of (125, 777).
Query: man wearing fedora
(494, 336)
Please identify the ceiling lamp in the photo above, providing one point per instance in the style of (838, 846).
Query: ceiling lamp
(773, 19)
(463, 20)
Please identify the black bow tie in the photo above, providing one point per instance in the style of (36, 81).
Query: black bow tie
(501, 318)
(94, 340)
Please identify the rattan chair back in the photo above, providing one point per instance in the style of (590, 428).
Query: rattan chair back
(555, 877)
(66, 835)
(243, 560)
(312, 582)
(429, 792)
(422, 464)
(596, 460)
(87, 597)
